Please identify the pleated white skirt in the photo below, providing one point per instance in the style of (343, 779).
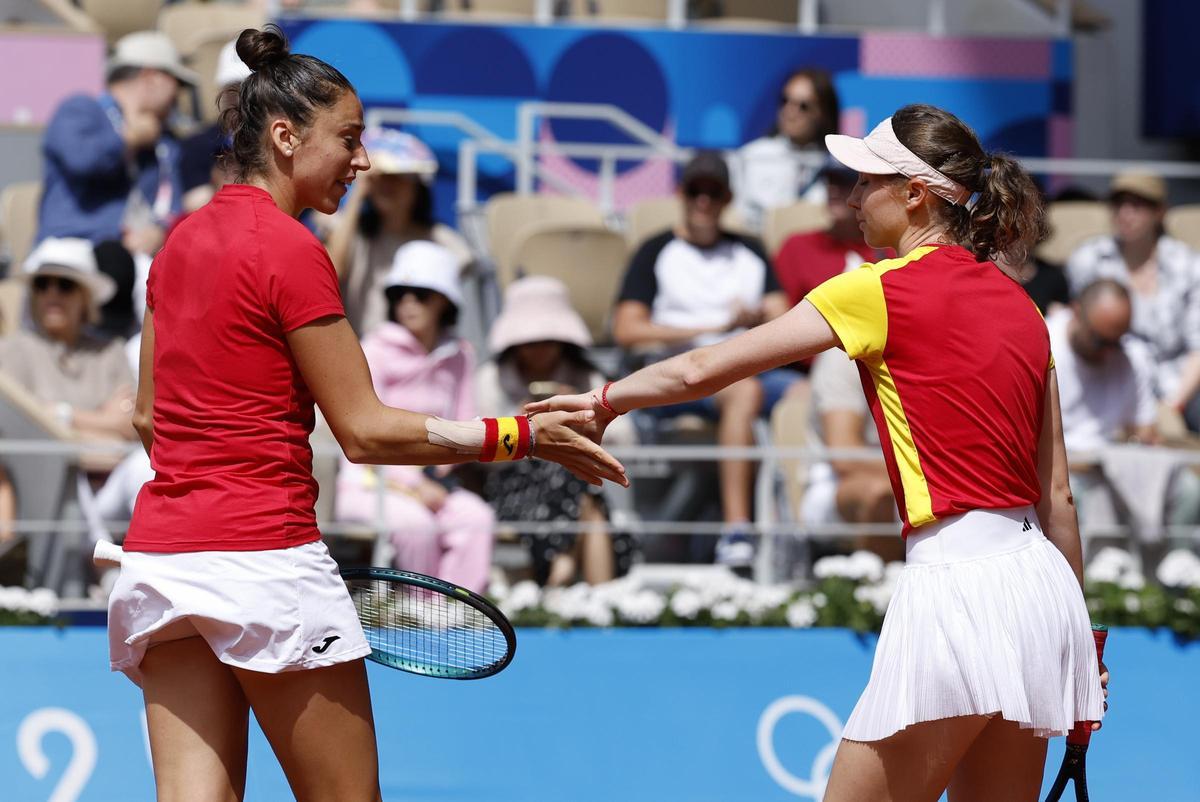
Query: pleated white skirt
(987, 618)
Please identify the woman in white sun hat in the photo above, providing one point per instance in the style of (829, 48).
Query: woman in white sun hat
(83, 377)
(539, 342)
(392, 205)
(417, 362)
(986, 649)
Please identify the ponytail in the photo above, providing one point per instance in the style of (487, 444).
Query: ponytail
(1005, 218)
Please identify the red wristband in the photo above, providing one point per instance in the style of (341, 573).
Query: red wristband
(604, 399)
(523, 438)
(491, 433)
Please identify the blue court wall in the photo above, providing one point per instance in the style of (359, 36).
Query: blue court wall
(697, 88)
(582, 716)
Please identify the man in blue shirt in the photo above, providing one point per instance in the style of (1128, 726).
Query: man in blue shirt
(111, 167)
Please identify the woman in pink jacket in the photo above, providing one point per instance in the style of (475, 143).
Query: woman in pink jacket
(418, 363)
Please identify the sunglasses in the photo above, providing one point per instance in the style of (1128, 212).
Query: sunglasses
(64, 285)
(421, 294)
(802, 104)
(715, 192)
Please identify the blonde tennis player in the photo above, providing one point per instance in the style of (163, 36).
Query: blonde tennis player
(227, 599)
(986, 649)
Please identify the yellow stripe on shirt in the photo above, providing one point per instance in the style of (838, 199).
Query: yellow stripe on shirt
(917, 500)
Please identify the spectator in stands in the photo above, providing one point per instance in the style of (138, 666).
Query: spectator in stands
(111, 166)
(390, 204)
(418, 363)
(698, 284)
(201, 170)
(1163, 278)
(84, 379)
(853, 491)
(1044, 282)
(539, 341)
(1106, 398)
(809, 259)
(771, 171)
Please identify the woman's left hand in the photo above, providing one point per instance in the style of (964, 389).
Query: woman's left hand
(558, 438)
(594, 429)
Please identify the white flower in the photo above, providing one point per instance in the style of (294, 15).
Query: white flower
(1132, 580)
(835, 565)
(878, 596)
(725, 611)
(12, 598)
(1110, 564)
(1185, 606)
(686, 603)
(819, 600)
(1132, 603)
(599, 614)
(801, 614)
(1180, 569)
(643, 607)
(523, 596)
(866, 566)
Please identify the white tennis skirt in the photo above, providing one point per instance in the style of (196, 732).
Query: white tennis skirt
(270, 611)
(987, 619)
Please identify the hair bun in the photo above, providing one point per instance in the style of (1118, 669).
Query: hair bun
(262, 48)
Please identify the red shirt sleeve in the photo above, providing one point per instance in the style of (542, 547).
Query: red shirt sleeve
(299, 280)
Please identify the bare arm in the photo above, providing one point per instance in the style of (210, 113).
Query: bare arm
(8, 506)
(843, 428)
(341, 238)
(114, 419)
(1189, 382)
(143, 405)
(1056, 509)
(334, 368)
(632, 327)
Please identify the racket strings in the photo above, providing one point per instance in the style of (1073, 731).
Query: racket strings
(426, 631)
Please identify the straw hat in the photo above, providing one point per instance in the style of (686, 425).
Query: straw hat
(537, 309)
(75, 259)
(1150, 187)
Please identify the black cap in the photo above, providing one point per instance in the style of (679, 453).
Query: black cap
(708, 164)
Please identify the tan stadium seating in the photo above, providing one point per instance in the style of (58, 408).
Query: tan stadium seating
(632, 10)
(1070, 223)
(490, 9)
(507, 213)
(755, 14)
(589, 259)
(650, 217)
(19, 203)
(1183, 222)
(789, 429)
(797, 218)
(119, 17)
(12, 304)
(192, 25)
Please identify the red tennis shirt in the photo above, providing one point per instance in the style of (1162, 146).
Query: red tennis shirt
(232, 414)
(953, 357)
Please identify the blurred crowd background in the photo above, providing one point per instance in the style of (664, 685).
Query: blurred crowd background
(477, 294)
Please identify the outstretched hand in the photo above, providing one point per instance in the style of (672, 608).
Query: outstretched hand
(594, 428)
(565, 436)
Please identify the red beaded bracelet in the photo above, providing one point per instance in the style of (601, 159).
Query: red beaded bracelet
(604, 399)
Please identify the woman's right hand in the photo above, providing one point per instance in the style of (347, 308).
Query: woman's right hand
(594, 428)
(558, 438)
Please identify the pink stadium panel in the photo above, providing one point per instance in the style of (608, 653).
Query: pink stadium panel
(29, 92)
(928, 56)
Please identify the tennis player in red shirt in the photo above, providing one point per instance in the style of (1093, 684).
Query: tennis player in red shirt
(227, 599)
(986, 648)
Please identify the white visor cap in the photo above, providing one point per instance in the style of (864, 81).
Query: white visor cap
(881, 153)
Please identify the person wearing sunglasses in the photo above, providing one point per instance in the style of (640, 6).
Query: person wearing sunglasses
(697, 284)
(417, 362)
(59, 356)
(772, 170)
(1105, 385)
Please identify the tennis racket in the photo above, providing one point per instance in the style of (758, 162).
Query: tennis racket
(415, 623)
(1074, 765)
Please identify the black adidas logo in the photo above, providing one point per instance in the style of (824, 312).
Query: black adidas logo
(1027, 526)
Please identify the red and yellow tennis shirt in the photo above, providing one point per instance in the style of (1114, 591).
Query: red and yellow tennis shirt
(953, 357)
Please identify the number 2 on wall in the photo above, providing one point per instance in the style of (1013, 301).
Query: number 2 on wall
(83, 749)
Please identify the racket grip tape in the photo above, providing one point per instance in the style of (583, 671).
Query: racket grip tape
(1082, 732)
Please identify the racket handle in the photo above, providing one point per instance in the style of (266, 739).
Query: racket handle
(107, 554)
(1082, 733)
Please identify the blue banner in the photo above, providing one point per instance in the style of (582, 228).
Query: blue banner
(585, 716)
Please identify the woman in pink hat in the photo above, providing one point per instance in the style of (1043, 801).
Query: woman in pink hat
(539, 341)
(392, 205)
(986, 649)
(417, 362)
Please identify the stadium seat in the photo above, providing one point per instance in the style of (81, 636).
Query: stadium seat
(1070, 223)
(589, 259)
(506, 213)
(19, 203)
(650, 217)
(756, 13)
(193, 25)
(12, 305)
(790, 426)
(631, 10)
(797, 218)
(1183, 222)
(490, 9)
(119, 17)
(203, 59)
